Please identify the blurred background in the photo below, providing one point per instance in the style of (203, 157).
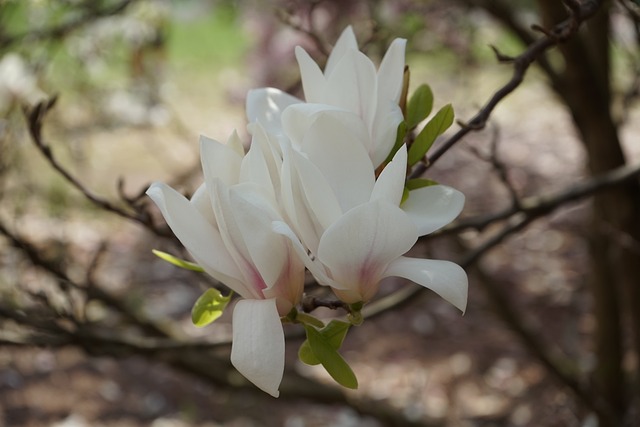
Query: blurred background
(96, 331)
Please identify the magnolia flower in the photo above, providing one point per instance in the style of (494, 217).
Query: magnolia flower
(350, 228)
(349, 84)
(227, 228)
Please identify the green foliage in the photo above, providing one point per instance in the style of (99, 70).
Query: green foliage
(321, 347)
(419, 106)
(434, 128)
(209, 307)
(210, 41)
(177, 261)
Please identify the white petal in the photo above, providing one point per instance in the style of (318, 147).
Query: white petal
(235, 143)
(338, 153)
(314, 266)
(313, 81)
(391, 72)
(257, 351)
(219, 161)
(346, 42)
(353, 86)
(202, 202)
(252, 213)
(433, 207)
(360, 245)
(384, 130)
(297, 119)
(200, 238)
(445, 278)
(390, 184)
(266, 105)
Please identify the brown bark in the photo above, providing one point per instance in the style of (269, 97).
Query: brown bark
(585, 88)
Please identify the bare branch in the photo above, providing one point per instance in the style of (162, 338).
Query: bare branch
(521, 64)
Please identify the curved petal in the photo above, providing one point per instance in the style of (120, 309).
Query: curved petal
(257, 351)
(297, 119)
(390, 184)
(265, 250)
(384, 130)
(219, 161)
(202, 202)
(266, 106)
(445, 278)
(433, 207)
(391, 72)
(338, 153)
(200, 238)
(353, 85)
(314, 266)
(313, 81)
(346, 42)
(360, 245)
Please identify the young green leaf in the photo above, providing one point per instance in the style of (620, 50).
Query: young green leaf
(434, 128)
(335, 365)
(177, 261)
(209, 307)
(419, 106)
(334, 333)
(416, 183)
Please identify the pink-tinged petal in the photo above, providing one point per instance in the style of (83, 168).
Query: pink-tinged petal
(390, 184)
(353, 85)
(315, 267)
(338, 153)
(266, 105)
(433, 207)
(383, 131)
(257, 351)
(360, 245)
(445, 278)
(391, 72)
(219, 161)
(313, 81)
(201, 239)
(346, 42)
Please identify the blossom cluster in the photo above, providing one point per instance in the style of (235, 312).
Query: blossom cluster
(320, 189)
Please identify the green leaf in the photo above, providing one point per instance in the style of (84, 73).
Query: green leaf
(434, 128)
(209, 307)
(400, 134)
(414, 184)
(335, 365)
(305, 354)
(420, 106)
(334, 333)
(177, 261)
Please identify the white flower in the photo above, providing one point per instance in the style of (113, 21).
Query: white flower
(350, 82)
(227, 228)
(351, 224)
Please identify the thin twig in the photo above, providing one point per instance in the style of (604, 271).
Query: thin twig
(521, 64)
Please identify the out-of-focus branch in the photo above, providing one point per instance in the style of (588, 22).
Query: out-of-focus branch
(537, 206)
(521, 63)
(89, 14)
(35, 119)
